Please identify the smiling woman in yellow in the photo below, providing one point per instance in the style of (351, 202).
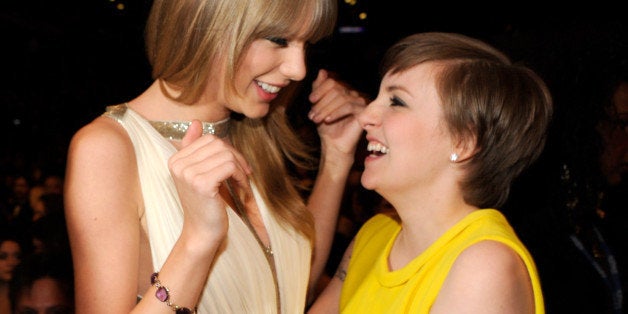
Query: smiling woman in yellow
(453, 124)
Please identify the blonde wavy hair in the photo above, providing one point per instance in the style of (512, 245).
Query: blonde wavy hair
(185, 39)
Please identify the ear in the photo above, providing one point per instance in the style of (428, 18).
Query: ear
(464, 148)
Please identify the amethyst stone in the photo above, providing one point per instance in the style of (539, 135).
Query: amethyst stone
(162, 294)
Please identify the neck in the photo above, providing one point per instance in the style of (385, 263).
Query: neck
(175, 130)
(152, 104)
(425, 221)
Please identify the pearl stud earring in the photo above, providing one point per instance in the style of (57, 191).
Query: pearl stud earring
(453, 157)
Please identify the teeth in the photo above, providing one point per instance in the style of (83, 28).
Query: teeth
(377, 147)
(269, 88)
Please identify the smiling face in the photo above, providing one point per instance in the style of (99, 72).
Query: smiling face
(267, 66)
(406, 133)
(221, 51)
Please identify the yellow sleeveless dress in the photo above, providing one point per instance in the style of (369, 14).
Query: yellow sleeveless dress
(370, 287)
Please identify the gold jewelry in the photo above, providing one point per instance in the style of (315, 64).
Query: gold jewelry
(175, 130)
(163, 294)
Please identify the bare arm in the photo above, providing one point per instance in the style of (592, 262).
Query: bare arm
(103, 200)
(488, 277)
(335, 109)
(102, 217)
(329, 300)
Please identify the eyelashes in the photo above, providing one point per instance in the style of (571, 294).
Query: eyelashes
(395, 101)
(280, 41)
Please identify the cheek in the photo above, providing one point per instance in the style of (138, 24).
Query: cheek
(425, 151)
(255, 62)
(243, 79)
(418, 139)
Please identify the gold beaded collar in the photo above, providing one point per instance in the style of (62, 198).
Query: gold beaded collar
(175, 130)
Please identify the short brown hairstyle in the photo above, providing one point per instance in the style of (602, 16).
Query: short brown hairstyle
(503, 107)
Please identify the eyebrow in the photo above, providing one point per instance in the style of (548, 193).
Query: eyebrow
(393, 88)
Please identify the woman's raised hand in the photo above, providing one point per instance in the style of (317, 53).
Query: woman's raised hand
(199, 170)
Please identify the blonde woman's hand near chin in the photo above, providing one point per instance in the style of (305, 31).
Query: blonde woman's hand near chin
(199, 169)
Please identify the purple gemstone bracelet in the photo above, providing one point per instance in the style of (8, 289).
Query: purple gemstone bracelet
(163, 294)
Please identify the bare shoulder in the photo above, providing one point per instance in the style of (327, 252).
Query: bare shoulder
(101, 166)
(487, 277)
(101, 135)
(492, 261)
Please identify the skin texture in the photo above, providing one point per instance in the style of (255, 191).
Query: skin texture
(416, 176)
(103, 214)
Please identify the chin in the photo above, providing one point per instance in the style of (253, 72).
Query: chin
(366, 183)
(255, 114)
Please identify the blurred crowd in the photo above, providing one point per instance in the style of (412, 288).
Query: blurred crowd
(36, 274)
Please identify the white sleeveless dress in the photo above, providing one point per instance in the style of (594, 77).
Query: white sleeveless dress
(241, 279)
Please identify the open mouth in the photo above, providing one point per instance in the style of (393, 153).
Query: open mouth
(271, 89)
(377, 149)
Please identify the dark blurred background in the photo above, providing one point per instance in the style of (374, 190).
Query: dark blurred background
(64, 61)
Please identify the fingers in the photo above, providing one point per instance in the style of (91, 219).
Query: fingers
(241, 180)
(322, 85)
(320, 78)
(204, 162)
(333, 100)
(195, 142)
(195, 130)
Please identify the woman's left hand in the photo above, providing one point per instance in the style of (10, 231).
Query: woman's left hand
(335, 109)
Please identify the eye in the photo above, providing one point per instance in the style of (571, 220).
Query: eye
(394, 102)
(280, 41)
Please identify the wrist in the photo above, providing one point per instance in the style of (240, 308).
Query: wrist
(199, 244)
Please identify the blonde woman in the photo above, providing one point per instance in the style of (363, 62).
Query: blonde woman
(179, 200)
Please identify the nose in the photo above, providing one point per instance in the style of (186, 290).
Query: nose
(293, 65)
(369, 116)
